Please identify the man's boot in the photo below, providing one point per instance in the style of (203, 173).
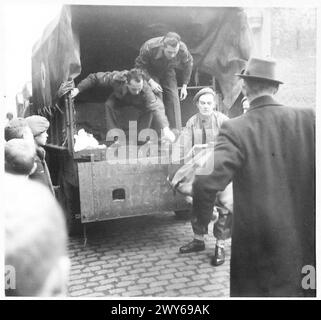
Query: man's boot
(219, 256)
(193, 246)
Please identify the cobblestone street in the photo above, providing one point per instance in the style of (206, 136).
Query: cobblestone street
(138, 257)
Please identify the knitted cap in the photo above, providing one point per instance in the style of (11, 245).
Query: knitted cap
(37, 124)
(201, 92)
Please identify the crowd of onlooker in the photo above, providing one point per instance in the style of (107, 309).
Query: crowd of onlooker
(35, 230)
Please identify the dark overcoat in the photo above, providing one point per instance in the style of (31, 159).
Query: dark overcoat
(269, 153)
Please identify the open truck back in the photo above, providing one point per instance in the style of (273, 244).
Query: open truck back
(88, 39)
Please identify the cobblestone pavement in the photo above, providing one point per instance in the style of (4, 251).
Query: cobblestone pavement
(138, 257)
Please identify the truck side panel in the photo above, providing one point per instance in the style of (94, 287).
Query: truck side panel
(122, 190)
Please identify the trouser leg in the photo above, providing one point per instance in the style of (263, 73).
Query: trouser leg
(224, 202)
(222, 227)
(159, 117)
(171, 99)
(144, 120)
(200, 223)
(112, 113)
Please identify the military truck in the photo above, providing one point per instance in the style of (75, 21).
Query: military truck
(86, 39)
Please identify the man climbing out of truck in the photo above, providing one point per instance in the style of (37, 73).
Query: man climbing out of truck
(129, 89)
(158, 58)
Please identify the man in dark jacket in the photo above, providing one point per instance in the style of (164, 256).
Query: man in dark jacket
(129, 89)
(269, 154)
(158, 58)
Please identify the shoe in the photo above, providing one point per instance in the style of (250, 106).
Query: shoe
(219, 256)
(193, 246)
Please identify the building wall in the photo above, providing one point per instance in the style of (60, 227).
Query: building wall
(293, 45)
(288, 35)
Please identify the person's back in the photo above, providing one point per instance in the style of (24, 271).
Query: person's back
(274, 190)
(35, 240)
(279, 138)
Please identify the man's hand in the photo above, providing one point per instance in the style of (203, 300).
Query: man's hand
(65, 87)
(156, 87)
(183, 94)
(74, 92)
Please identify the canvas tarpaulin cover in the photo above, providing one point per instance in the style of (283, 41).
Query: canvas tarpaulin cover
(86, 39)
(55, 59)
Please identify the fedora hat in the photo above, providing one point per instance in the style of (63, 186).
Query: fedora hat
(263, 69)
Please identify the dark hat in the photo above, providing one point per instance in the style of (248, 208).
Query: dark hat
(37, 124)
(203, 91)
(262, 69)
(19, 156)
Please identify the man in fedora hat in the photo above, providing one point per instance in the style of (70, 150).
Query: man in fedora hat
(268, 153)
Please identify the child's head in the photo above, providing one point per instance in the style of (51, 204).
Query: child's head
(20, 157)
(18, 128)
(39, 126)
(35, 240)
(9, 116)
(205, 101)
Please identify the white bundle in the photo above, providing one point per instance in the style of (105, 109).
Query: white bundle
(85, 140)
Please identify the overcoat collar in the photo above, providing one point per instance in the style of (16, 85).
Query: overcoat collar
(263, 101)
